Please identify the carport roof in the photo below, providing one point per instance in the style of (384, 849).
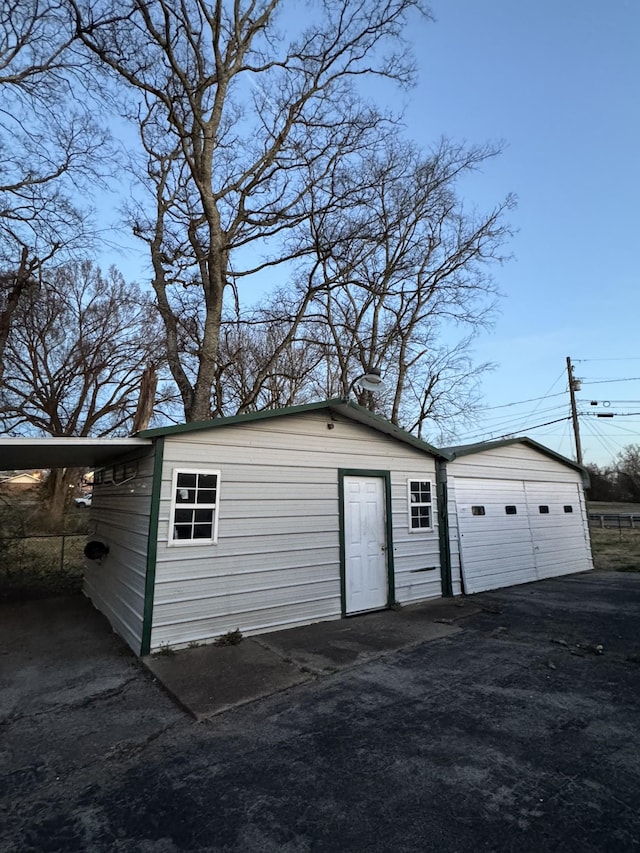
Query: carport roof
(28, 453)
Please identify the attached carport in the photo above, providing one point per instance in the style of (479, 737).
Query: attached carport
(31, 453)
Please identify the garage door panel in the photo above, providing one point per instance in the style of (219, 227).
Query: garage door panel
(501, 578)
(502, 549)
(495, 547)
(496, 551)
(559, 540)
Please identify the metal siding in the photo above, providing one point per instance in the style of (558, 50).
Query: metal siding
(454, 542)
(502, 550)
(513, 462)
(559, 540)
(277, 560)
(120, 517)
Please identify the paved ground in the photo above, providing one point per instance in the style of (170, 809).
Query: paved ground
(519, 732)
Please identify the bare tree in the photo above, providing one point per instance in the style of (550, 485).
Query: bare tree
(403, 270)
(628, 471)
(48, 144)
(261, 365)
(76, 360)
(236, 123)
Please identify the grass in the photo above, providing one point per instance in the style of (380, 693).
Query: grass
(613, 507)
(616, 550)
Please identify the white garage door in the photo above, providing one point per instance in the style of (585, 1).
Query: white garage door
(515, 532)
(560, 538)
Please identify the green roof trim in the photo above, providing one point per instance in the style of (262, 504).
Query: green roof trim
(339, 405)
(452, 453)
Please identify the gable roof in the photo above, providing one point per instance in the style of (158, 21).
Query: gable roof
(339, 406)
(23, 478)
(454, 452)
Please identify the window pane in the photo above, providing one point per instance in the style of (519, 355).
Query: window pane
(510, 509)
(420, 491)
(568, 508)
(543, 509)
(202, 531)
(206, 496)
(477, 510)
(185, 496)
(186, 480)
(204, 515)
(207, 481)
(183, 516)
(182, 531)
(420, 516)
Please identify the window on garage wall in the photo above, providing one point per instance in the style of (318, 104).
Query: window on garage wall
(194, 507)
(420, 505)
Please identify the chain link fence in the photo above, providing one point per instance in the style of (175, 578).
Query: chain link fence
(41, 565)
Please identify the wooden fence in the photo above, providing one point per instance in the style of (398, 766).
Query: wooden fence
(615, 521)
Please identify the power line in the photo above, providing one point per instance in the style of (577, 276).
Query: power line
(583, 360)
(537, 426)
(520, 402)
(607, 381)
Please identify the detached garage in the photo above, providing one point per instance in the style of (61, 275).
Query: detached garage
(261, 522)
(516, 513)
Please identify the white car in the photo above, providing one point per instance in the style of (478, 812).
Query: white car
(83, 500)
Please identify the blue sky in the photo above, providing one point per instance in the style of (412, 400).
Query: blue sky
(559, 82)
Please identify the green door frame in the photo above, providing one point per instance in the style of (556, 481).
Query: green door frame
(385, 476)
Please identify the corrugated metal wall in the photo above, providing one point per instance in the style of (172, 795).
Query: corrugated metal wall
(277, 559)
(502, 550)
(120, 517)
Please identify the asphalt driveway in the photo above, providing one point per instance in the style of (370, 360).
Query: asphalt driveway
(518, 731)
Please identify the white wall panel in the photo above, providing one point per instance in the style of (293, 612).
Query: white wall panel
(120, 517)
(277, 559)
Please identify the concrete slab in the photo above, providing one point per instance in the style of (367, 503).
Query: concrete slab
(211, 679)
(327, 647)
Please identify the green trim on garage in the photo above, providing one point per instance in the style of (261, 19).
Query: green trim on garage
(442, 496)
(152, 547)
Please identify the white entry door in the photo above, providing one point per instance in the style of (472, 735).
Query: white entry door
(366, 580)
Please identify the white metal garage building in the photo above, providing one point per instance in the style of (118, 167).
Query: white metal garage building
(516, 513)
(283, 518)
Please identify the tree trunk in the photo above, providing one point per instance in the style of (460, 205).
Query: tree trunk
(59, 495)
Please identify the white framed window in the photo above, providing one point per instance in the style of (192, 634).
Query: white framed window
(195, 494)
(420, 496)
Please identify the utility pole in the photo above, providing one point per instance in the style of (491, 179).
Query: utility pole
(574, 385)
